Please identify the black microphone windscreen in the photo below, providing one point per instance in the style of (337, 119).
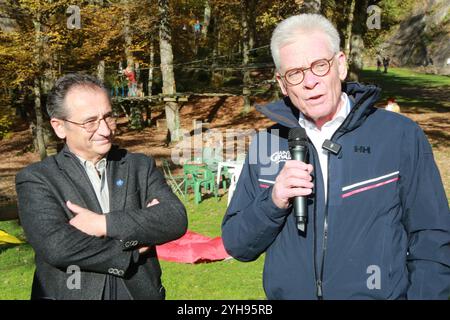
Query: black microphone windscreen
(297, 137)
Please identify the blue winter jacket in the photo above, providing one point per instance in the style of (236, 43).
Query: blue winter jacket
(384, 232)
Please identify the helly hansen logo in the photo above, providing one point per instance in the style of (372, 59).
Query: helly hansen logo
(362, 149)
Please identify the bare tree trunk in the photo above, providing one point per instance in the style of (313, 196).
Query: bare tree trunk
(101, 70)
(169, 87)
(357, 40)
(245, 56)
(37, 90)
(46, 78)
(216, 76)
(136, 118)
(127, 35)
(217, 51)
(39, 120)
(252, 23)
(207, 18)
(137, 72)
(275, 88)
(348, 29)
(151, 67)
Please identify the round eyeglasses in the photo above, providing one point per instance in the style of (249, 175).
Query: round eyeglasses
(92, 125)
(319, 68)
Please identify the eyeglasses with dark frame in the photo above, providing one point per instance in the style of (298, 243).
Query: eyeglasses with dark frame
(319, 68)
(92, 125)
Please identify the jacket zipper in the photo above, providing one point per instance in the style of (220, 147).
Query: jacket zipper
(319, 282)
(325, 238)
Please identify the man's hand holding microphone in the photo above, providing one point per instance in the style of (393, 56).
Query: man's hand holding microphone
(294, 182)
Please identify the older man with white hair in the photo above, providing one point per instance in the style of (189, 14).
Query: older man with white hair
(377, 223)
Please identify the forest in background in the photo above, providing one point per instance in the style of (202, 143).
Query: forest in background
(172, 47)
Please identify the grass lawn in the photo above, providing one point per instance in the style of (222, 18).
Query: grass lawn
(228, 279)
(16, 265)
(415, 92)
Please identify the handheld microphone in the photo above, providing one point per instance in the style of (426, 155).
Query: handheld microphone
(298, 147)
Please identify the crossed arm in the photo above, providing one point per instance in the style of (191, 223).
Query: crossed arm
(61, 239)
(55, 241)
(94, 224)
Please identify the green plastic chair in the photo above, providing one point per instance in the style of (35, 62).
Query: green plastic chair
(211, 158)
(189, 177)
(206, 178)
(196, 177)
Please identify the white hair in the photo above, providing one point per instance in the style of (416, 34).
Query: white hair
(288, 30)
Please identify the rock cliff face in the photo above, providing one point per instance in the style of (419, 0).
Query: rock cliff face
(422, 39)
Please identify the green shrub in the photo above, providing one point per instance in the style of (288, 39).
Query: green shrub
(5, 125)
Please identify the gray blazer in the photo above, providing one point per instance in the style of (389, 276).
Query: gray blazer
(133, 180)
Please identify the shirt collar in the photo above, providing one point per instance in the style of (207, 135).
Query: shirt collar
(99, 166)
(338, 118)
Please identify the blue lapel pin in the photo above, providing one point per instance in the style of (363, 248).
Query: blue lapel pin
(119, 183)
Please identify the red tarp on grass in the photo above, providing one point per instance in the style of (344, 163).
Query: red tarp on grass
(193, 248)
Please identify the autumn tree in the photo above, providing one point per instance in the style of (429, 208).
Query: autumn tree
(157, 39)
(34, 19)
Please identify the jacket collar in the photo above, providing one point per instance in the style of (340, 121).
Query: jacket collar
(118, 177)
(117, 171)
(362, 98)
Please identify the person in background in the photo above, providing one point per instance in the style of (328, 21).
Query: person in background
(197, 27)
(392, 105)
(386, 61)
(132, 82)
(378, 63)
